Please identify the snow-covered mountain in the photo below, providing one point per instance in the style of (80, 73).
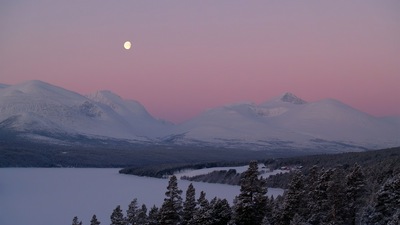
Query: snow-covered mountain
(42, 111)
(35, 107)
(290, 122)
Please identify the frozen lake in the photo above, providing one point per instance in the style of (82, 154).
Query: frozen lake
(41, 196)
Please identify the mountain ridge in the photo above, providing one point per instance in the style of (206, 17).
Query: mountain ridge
(284, 122)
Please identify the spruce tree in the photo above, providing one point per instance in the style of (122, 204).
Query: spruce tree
(319, 204)
(94, 220)
(153, 217)
(386, 209)
(250, 205)
(142, 215)
(221, 212)
(189, 206)
(293, 200)
(355, 189)
(117, 217)
(132, 212)
(202, 215)
(337, 200)
(170, 212)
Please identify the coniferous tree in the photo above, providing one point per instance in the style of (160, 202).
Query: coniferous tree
(189, 206)
(202, 215)
(132, 212)
(250, 205)
(170, 212)
(337, 199)
(117, 217)
(293, 200)
(153, 217)
(221, 212)
(386, 209)
(310, 198)
(75, 221)
(319, 204)
(355, 189)
(142, 215)
(94, 220)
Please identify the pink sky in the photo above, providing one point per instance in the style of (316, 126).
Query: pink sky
(189, 56)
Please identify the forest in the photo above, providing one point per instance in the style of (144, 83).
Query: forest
(336, 194)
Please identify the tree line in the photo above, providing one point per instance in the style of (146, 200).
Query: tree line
(320, 196)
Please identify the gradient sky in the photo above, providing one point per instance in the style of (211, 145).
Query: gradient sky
(189, 56)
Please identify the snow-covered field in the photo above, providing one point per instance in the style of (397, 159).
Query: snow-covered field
(41, 196)
(239, 169)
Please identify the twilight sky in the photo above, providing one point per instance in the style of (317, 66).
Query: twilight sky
(188, 56)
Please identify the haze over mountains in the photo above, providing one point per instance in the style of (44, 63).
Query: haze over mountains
(42, 112)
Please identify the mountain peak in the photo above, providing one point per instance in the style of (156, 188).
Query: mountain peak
(291, 98)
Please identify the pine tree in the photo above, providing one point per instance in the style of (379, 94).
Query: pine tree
(153, 217)
(94, 220)
(117, 217)
(170, 212)
(355, 189)
(189, 206)
(310, 198)
(202, 215)
(131, 213)
(142, 215)
(319, 204)
(75, 221)
(337, 199)
(220, 211)
(250, 205)
(293, 200)
(386, 208)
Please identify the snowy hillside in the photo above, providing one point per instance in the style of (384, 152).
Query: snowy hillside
(37, 107)
(43, 111)
(290, 122)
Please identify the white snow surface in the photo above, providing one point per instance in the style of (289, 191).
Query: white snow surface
(38, 196)
(285, 121)
(38, 106)
(239, 169)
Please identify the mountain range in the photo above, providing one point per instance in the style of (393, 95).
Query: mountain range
(42, 112)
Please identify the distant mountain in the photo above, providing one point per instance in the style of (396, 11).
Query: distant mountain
(39, 109)
(42, 112)
(289, 122)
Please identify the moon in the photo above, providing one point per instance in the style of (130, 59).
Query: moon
(127, 45)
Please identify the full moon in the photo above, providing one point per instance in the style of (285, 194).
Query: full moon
(127, 45)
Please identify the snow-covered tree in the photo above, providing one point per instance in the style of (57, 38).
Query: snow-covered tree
(142, 215)
(386, 209)
(189, 206)
(131, 213)
(94, 220)
(171, 210)
(117, 217)
(293, 200)
(355, 188)
(221, 212)
(250, 205)
(153, 217)
(202, 215)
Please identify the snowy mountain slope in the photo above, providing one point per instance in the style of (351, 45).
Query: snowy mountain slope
(41, 110)
(132, 113)
(3, 86)
(288, 121)
(35, 106)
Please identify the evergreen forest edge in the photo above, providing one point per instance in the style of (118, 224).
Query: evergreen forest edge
(341, 194)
